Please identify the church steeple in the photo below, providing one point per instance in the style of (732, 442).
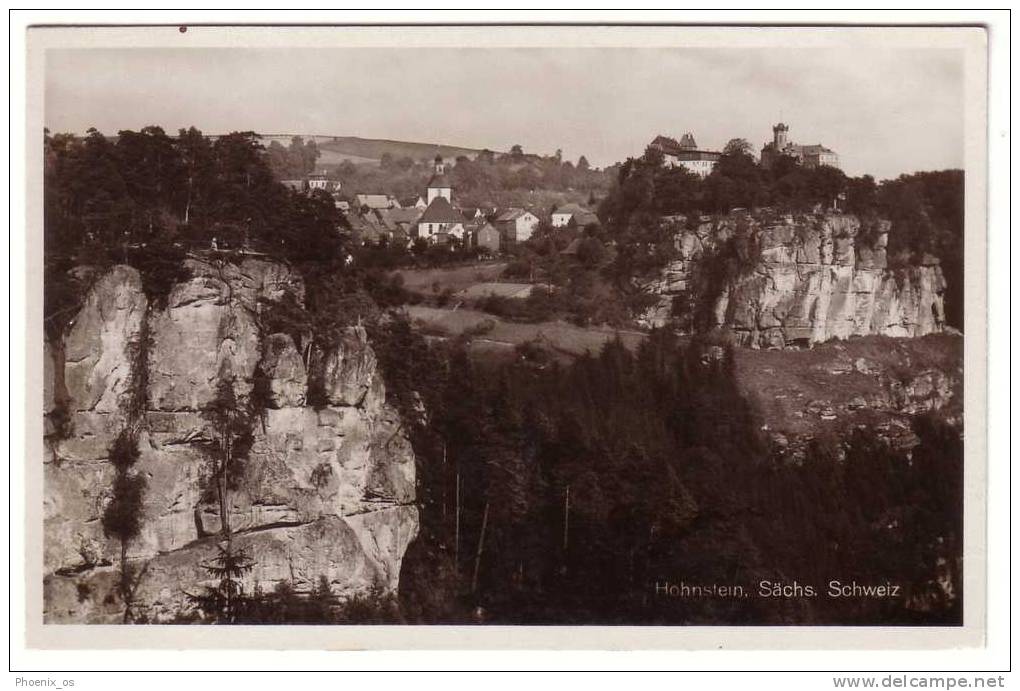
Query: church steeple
(439, 185)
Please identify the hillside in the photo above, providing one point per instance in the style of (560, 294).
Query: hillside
(358, 150)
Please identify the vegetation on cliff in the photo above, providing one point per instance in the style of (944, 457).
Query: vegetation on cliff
(926, 208)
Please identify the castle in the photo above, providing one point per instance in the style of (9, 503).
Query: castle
(808, 155)
(685, 154)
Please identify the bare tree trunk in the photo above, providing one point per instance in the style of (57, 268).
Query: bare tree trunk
(221, 492)
(222, 488)
(125, 582)
(481, 546)
(443, 484)
(456, 529)
(566, 519)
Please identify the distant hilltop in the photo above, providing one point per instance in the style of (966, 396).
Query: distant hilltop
(335, 149)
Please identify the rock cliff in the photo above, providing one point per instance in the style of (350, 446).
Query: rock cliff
(781, 280)
(326, 491)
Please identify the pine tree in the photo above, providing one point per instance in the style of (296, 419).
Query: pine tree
(122, 518)
(226, 602)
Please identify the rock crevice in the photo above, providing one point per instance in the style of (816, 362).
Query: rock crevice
(801, 280)
(306, 502)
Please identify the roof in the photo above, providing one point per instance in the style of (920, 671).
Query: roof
(662, 142)
(814, 149)
(406, 215)
(296, 185)
(572, 209)
(585, 218)
(440, 211)
(685, 149)
(373, 201)
(572, 248)
(511, 214)
(440, 180)
(385, 219)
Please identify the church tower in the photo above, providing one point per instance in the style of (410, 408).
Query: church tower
(439, 185)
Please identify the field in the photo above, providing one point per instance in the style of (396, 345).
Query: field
(356, 148)
(456, 279)
(561, 337)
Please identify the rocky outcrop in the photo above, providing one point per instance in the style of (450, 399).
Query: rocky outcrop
(800, 280)
(326, 491)
(283, 372)
(346, 371)
(100, 364)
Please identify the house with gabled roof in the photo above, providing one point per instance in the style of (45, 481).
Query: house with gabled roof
(574, 214)
(486, 237)
(417, 202)
(516, 224)
(375, 201)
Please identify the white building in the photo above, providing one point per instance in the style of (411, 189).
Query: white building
(685, 154)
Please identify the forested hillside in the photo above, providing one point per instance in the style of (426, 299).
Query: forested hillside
(583, 486)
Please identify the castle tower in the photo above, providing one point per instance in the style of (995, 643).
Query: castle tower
(779, 135)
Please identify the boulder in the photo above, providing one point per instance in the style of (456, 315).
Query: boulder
(356, 555)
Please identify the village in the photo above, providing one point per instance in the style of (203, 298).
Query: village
(437, 217)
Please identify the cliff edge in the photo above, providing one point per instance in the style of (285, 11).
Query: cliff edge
(325, 492)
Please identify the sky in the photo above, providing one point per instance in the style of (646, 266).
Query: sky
(885, 111)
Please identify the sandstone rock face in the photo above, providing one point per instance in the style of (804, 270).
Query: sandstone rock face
(284, 371)
(805, 280)
(101, 358)
(323, 492)
(346, 373)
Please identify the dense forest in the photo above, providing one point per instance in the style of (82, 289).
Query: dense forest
(146, 199)
(580, 486)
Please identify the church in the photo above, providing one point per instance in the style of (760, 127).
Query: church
(440, 220)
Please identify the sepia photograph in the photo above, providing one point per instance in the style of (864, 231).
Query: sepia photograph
(473, 327)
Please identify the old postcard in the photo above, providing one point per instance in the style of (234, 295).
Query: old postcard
(500, 337)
